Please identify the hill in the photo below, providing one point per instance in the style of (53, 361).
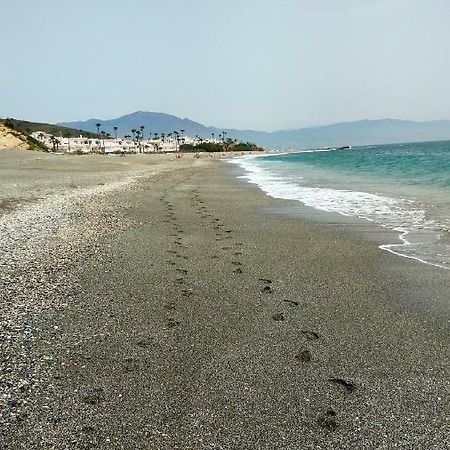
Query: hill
(11, 138)
(362, 132)
(57, 130)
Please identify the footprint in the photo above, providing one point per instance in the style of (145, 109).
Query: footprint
(310, 335)
(236, 263)
(186, 292)
(172, 323)
(94, 396)
(265, 280)
(267, 290)
(170, 306)
(130, 365)
(292, 302)
(278, 317)
(328, 420)
(304, 356)
(348, 385)
(182, 270)
(238, 270)
(144, 343)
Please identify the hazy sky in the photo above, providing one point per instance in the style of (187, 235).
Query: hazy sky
(260, 64)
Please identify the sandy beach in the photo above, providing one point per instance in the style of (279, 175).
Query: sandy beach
(158, 303)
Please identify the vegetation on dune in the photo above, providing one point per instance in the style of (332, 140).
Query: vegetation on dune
(23, 136)
(34, 144)
(56, 130)
(227, 146)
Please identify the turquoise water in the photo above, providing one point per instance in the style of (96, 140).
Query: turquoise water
(426, 164)
(403, 187)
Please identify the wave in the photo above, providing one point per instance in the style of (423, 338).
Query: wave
(419, 236)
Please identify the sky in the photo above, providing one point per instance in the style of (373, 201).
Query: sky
(249, 64)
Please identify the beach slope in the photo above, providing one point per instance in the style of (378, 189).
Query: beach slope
(180, 311)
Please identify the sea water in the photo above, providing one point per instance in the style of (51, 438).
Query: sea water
(402, 187)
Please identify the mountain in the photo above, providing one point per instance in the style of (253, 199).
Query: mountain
(152, 121)
(361, 132)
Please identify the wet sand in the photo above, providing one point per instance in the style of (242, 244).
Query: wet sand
(195, 317)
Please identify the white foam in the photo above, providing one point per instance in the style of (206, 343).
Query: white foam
(403, 216)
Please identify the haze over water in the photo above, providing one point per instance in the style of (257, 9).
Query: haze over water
(402, 187)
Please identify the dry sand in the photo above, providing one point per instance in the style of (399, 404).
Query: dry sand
(173, 310)
(12, 139)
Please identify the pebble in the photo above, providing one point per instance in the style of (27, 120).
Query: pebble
(40, 245)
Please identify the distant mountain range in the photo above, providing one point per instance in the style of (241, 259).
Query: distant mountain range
(361, 132)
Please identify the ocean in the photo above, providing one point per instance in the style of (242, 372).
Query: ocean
(401, 187)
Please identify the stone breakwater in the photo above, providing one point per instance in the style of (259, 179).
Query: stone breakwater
(40, 245)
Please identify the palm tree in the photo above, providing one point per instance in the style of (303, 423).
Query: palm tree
(142, 131)
(133, 132)
(212, 135)
(176, 140)
(98, 125)
(103, 133)
(115, 132)
(53, 141)
(137, 136)
(224, 133)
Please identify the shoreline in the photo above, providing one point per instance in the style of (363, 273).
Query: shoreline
(278, 187)
(200, 318)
